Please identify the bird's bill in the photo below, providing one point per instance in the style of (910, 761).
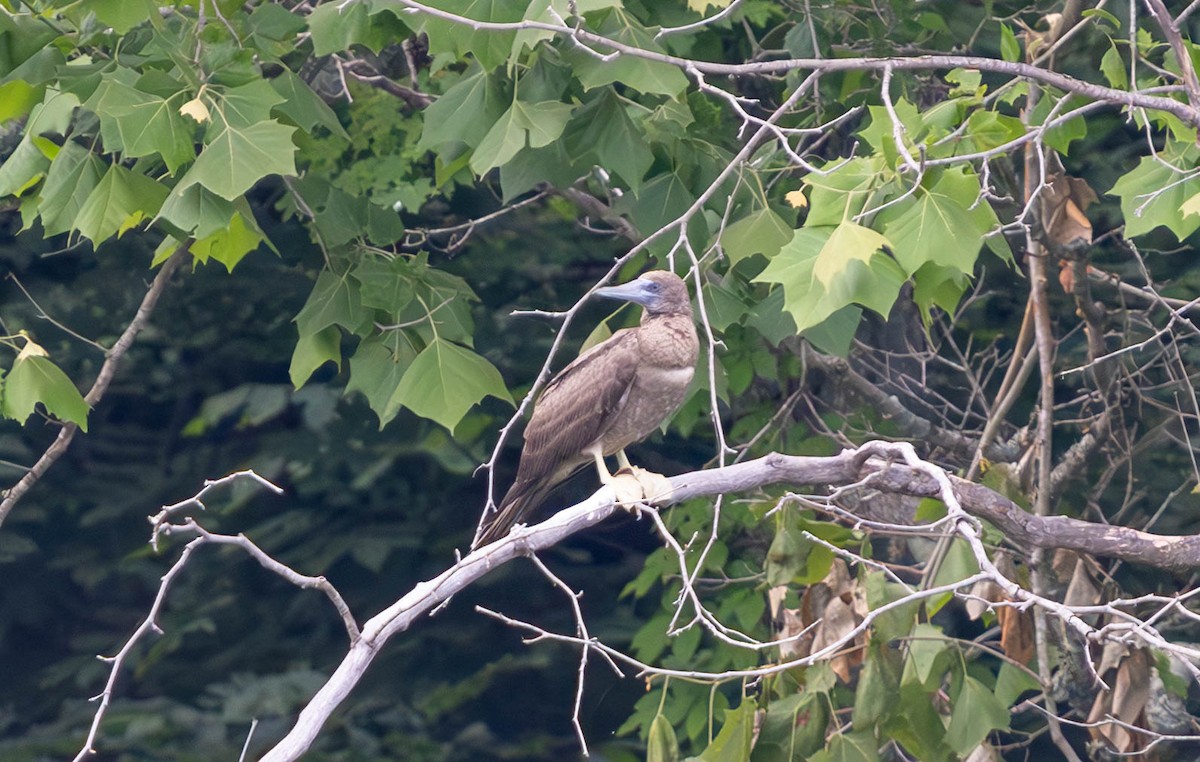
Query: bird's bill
(638, 291)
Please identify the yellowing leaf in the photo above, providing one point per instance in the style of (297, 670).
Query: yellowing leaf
(797, 199)
(31, 349)
(230, 245)
(196, 109)
(1191, 206)
(848, 242)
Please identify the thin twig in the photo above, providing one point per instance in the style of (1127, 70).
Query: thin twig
(100, 385)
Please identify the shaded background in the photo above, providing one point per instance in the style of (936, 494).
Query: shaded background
(205, 392)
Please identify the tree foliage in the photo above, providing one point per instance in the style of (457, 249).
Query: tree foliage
(869, 200)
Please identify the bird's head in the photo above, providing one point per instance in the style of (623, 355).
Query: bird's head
(660, 292)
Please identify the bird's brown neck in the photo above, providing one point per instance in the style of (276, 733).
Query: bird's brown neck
(668, 340)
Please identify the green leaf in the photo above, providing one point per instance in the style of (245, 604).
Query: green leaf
(446, 380)
(338, 26)
(1060, 136)
(491, 48)
(878, 685)
(196, 211)
(661, 745)
(650, 77)
(314, 350)
(849, 747)
(849, 242)
(376, 369)
(788, 554)
(1154, 194)
(874, 283)
(1113, 68)
(967, 82)
(918, 726)
(988, 129)
(660, 201)
(17, 98)
(532, 166)
(1010, 49)
(937, 286)
(120, 201)
(760, 232)
(139, 124)
(35, 379)
(974, 713)
(25, 166)
(72, 176)
(602, 133)
(793, 728)
(896, 622)
(524, 124)
(733, 743)
(926, 649)
(334, 301)
(841, 194)
(1012, 681)
(1103, 14)
(463, 114)
(237, 158)
(52, 115)
(937, 225)
(274, 22)
(835, 334)
(724, 307)
(230, 245)
(121, 15)
(386, 284)
(880, 133)
(245, 105)
(958, 564)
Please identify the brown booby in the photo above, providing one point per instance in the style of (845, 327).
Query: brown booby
(616, 393)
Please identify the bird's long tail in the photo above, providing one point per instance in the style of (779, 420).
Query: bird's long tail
(520, 501)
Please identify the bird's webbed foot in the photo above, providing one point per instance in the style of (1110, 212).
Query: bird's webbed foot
(637, 485)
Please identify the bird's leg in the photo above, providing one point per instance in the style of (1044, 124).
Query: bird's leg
(623, 462)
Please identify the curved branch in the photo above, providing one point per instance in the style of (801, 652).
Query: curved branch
(871, 465)
(905, 63)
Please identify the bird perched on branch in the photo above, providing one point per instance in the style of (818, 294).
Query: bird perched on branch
(613, 395)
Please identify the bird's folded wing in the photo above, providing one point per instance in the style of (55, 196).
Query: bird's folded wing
(578, 405)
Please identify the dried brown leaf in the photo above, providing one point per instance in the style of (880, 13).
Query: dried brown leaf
(1016, 633)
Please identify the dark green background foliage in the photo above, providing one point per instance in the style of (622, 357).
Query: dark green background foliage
(341, 329)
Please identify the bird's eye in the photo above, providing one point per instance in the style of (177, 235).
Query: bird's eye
(653, 286)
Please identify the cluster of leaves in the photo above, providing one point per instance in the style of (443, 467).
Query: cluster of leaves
(162, 125)
(134, 120)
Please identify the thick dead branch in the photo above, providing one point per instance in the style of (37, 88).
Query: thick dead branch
(871, 466)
